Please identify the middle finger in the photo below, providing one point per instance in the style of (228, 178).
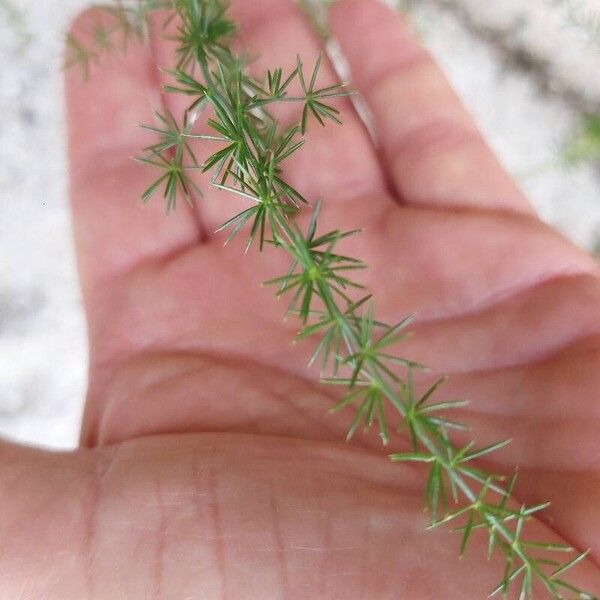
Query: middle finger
(337, 162)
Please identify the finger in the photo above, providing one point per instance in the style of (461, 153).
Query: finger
(336, 158)
(113, 231)
(168, 517)
(432, 149)
(336, 162)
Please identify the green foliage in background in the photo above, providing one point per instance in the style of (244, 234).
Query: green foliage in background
(581, 16)
(584, 145)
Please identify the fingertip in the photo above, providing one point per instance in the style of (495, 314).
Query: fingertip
(118, 90)
(83, 42)
(361, 24)
(359, 12)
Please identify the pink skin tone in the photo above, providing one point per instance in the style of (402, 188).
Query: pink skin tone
(209, 467)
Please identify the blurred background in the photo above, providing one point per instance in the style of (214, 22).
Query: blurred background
(527, 69)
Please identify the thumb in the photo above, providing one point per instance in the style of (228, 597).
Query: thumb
(43, 500)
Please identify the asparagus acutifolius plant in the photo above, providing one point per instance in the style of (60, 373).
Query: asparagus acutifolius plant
(352, 345)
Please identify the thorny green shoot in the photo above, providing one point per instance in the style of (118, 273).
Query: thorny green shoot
(353, 348)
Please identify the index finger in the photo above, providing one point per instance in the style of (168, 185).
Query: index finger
(433, 151)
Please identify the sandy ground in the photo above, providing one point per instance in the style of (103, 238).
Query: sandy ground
(500, 54)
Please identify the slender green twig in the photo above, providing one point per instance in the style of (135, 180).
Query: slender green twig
(354, 349)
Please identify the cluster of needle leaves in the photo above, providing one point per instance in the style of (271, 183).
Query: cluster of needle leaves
(354, 349)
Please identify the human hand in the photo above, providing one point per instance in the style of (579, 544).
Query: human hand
(209, 467)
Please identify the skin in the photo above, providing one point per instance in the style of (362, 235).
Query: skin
(209, 467)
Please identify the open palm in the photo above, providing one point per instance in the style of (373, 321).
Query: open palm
(209, 467)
